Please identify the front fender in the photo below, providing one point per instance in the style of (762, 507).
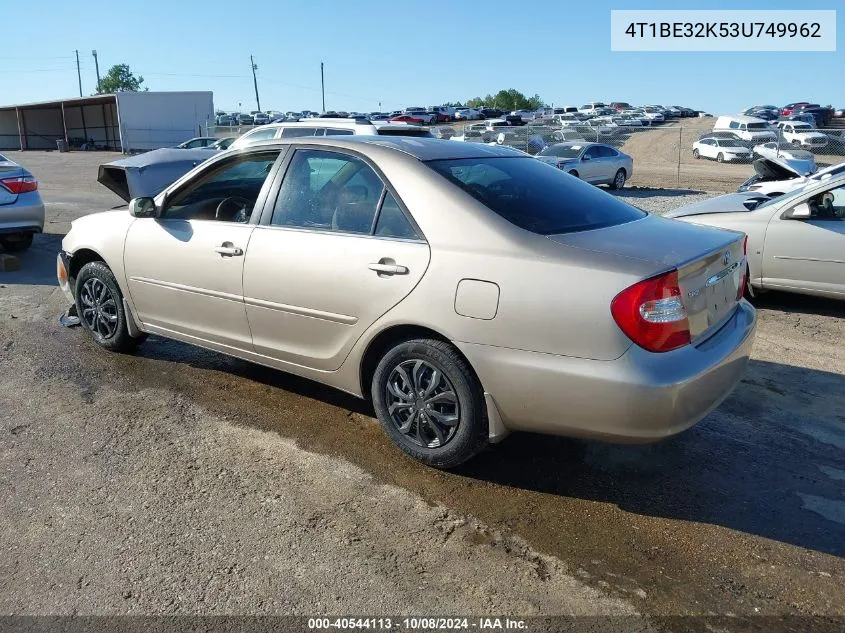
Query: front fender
(103, 234)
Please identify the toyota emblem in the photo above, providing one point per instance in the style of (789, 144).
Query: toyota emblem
(727, 258)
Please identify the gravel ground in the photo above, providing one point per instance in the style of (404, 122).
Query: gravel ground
(661, 200)
(179, 481)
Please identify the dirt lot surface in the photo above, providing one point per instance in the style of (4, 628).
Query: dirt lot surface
(179, 481)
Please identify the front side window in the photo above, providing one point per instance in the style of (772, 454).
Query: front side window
(328, 191)
(829, 205)
(535, 196)
(227, 192)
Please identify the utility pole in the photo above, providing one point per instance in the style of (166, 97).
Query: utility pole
(255, 82)
(97, 66)
(78, 73)
(323, 87)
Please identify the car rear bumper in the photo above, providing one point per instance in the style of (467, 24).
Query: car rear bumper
(639, 397)
(26, 214)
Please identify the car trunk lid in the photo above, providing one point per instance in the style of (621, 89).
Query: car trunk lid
(710, 262)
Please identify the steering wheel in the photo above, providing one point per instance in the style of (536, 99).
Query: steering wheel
(233, 209)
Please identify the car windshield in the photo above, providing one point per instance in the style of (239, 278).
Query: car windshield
(563, 151)
(825, 173)
(728, 143)
(802, 126)
(535, 196)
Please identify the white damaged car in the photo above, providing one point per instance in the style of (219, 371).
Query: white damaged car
(776, 176)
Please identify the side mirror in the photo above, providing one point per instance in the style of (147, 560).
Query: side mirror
(799, 212)
(586, 157)
(142, 208)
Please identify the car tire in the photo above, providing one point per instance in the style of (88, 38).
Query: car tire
(695, 154)
(619, 179)
(573, 173)
(99, 304)
(17, 243)
(407, 370)
(720, 158)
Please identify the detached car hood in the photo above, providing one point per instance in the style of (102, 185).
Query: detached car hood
(729, 203)
(148, 174)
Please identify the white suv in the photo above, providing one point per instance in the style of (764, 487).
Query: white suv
(747, 128)
(328, 127)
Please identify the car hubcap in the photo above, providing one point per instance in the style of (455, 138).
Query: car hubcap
(99, 309)
(422, 403)
(620, 179)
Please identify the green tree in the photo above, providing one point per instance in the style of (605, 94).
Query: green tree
(456, 104)
(535, 102)
(120, 79)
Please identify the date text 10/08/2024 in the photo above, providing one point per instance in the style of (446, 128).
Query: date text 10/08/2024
(418, 623)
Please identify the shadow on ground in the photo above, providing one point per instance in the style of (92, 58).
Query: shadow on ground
(770, 461)
(37, 264)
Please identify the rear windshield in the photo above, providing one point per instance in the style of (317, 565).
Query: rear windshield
(758, 126)
(401, 131)
(563, 151)
(535, 196)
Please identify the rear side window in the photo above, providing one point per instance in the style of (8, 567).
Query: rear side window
(733, 125)
(337, 132)
(392, 222)
(535, 196)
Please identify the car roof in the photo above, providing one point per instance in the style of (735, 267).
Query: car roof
(421, 148)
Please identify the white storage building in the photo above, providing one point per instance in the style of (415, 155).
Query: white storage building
(125, 121)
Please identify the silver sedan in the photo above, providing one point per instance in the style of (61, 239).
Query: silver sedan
(596, 163)
(21, 209)
(466, 290)
(796, 242)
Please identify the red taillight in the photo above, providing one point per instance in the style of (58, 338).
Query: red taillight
(21, 184)
(652, 314)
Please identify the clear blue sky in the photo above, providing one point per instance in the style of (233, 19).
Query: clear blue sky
(397, 53)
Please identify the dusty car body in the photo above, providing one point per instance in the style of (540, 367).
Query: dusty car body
(796, 241)
(469, 290)
(21, 208)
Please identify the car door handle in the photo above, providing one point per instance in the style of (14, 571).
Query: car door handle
(388, 269)
(227, 249)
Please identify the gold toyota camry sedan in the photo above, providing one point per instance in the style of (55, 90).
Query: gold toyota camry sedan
(467, 290)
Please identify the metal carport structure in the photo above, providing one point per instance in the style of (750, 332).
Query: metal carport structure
(91, 121)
